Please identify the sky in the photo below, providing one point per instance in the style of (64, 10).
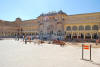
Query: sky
(31, 9)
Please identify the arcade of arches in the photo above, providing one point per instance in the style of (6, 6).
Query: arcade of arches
(58, 24)
(82, 31)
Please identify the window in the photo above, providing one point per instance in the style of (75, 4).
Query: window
(81, 27)
(87, 27)
(95, 27)
(68, 28)
(59, 33)
(74, 28)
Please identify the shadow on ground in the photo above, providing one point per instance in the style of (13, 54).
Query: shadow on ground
(95, 63)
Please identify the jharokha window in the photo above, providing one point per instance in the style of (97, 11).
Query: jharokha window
(74, 28)
(88, 27)
(95, 27)
(81, 27)
(68, 28)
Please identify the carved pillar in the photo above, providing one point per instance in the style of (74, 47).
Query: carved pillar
(84, 36)
(99, 31)
(77, 35)
(71, 35)
(91, 36)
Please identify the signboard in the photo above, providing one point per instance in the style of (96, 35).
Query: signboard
(86, 47)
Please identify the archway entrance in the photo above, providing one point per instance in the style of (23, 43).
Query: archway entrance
(82, 36)
(88, 36)
(68, 36)
(95, 36)
(74, 36)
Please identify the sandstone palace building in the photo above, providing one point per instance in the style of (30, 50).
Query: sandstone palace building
(55, 25)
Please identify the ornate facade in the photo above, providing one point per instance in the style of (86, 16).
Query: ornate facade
(55, 25)
(84, 26)
(52, 25)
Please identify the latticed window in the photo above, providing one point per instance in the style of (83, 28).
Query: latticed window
(88, 27)
(74, 28)
(68, 28)
(95, 27)
(81, 27)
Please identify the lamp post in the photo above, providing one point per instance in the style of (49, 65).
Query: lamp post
(59, 35)
(51, 32)
(41, 35)
(49, 37)
(21, 31)
(18, 34)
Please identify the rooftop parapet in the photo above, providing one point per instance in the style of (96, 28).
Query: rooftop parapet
(52, 13)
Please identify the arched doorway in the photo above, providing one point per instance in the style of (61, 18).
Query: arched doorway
(88, 36)
(82, 36)
(68, 36)
(95, 36)
(74, 36)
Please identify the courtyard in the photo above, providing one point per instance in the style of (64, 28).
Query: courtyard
(15, 53)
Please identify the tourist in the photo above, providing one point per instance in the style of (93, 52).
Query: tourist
(97, 41)
(25, 40)
(23, 37)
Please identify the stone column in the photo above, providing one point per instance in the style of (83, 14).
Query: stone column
(99, 31)
(71, 35)
(91, 36)
(98, 35)
(0, 33)
(77, 35)
(84, 36)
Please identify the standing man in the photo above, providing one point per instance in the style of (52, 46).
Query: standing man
(25, 40)
(97, 41)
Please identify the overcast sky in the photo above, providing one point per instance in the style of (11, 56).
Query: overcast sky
(30, 9)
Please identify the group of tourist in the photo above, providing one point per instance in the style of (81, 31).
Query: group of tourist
(29, 38)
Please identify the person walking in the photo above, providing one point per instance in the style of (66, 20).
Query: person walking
(23, 37)
(25, 40)
(97, 41)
